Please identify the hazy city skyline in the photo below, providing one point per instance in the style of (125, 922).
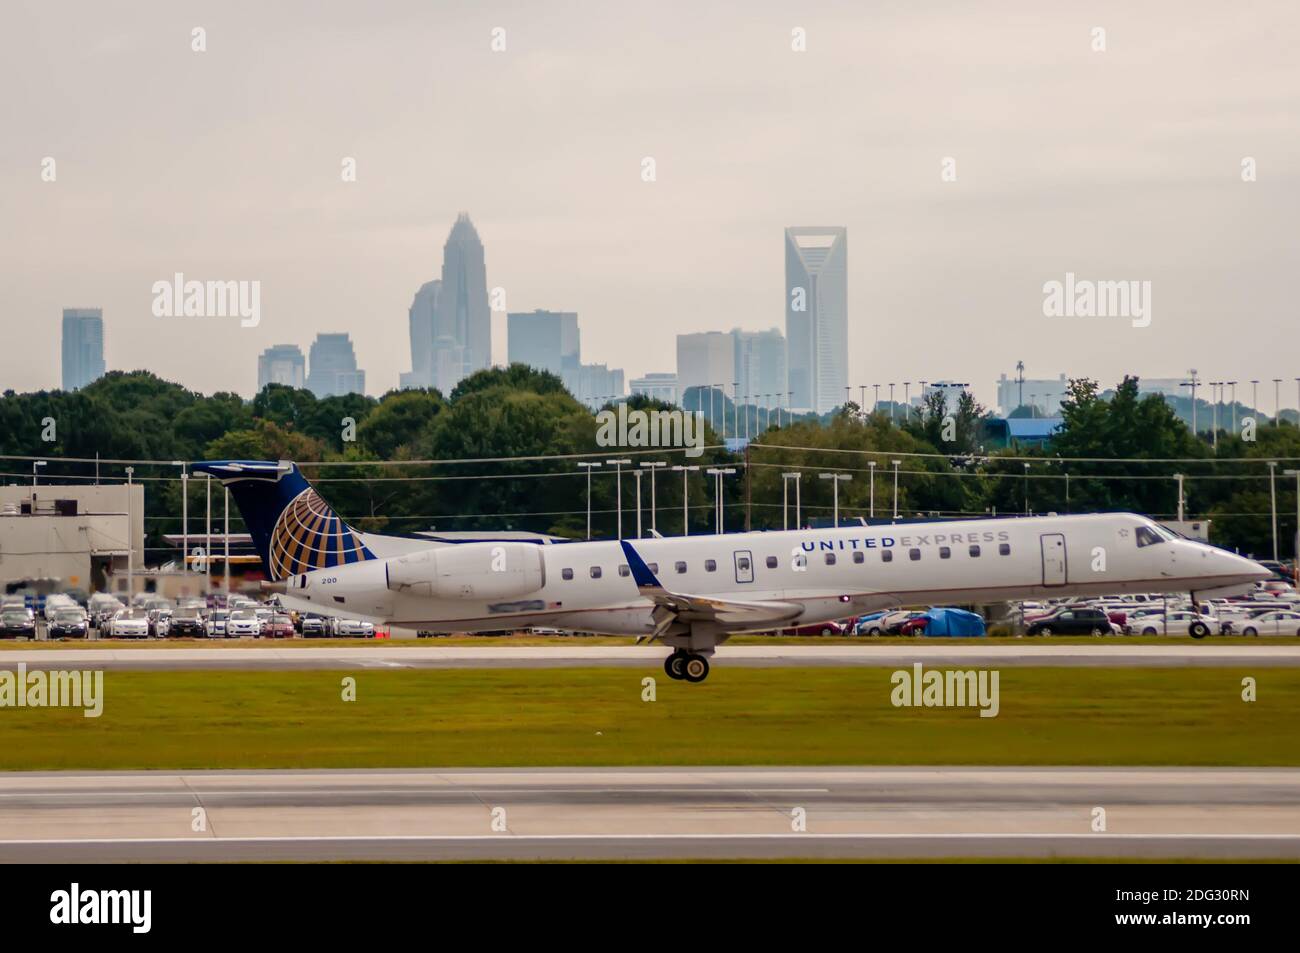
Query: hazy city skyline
(1117, 165)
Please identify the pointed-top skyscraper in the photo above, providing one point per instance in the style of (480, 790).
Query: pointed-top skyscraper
(462, 333)
(816, 316)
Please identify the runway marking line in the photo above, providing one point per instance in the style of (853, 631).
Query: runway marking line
(807, 835)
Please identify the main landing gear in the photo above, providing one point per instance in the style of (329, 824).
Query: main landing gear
(686, 666)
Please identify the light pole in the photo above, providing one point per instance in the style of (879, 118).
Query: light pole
(226, 572)
(618, 476)
(871, 512)
(785, 499)
(130, 537)
(876, 399)
(652, 466)
(836, 479)
(891, 402)
(735, 403)
(588, 466)
(1277, 400)
(1216, 393)
(185, 515)
(1181, 508)
(1026, 489)
(1272, 492)
(862, 400)
(1233, 400)
(897, 464)
(718, 473)
(35, 464)
(1254, 402)
(686, 513)
(207, 540)
(1296, 474)
(638, 474)
(907, 400)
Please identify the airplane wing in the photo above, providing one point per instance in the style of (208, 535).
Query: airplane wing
(742, 614)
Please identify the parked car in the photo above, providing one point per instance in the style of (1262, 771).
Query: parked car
(914, 626)
(279, 626)
(187, 623)
(354, 629)
(894, 622)
(1180, 622)
(1272, 622)
(216, 623)
(130, 624)
(1072, 621)
(313, 627)
(243, 622)
(160, 621)
(17, 624)
(69, 624)
(869, 624)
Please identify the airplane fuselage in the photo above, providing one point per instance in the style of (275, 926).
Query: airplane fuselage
(828, 573)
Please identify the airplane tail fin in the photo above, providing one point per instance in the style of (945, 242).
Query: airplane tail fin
(293, 528)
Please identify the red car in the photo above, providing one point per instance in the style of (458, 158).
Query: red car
(821, 628)
(278, 627)
(914, 626)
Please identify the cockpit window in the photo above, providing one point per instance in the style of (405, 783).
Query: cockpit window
(1146, 536)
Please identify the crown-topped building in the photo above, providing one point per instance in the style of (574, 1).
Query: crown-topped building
(450, 318)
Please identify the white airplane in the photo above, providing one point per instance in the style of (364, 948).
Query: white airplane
(693, 592)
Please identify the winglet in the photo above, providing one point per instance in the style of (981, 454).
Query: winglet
(641, 573)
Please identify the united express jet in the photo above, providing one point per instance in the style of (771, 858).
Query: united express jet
(692, 593)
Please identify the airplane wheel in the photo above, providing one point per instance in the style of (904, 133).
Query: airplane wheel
(673, 666)
(695, 669)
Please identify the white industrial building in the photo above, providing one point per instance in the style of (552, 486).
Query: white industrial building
(77, 535)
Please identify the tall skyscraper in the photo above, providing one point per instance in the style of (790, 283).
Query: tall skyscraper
(816, 316)
(83, 346)
(546, 340)
(760, 367)
(281, 364)
(705, 359)
(333, 368)
(422, 318)
(660, 386)
(462, 332)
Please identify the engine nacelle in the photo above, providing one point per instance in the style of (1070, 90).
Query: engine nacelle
(469, 571)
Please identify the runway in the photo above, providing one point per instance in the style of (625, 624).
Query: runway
(1265, 653)
(642, 813)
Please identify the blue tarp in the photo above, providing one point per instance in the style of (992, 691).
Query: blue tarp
(957, 622)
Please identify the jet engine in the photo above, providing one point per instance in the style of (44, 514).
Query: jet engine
(477, 571)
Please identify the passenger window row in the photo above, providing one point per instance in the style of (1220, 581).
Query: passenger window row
(772, 562)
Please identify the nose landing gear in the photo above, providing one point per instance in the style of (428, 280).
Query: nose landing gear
(686, 666)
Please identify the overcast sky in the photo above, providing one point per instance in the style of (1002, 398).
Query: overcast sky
(1123, 164)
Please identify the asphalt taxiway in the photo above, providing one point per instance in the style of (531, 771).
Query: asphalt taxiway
(641, 813)
(1267, 654)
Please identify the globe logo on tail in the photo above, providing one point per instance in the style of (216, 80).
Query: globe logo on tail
(308, 535)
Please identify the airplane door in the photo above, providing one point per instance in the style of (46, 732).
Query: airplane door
(1053, 559)
(744, 565)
